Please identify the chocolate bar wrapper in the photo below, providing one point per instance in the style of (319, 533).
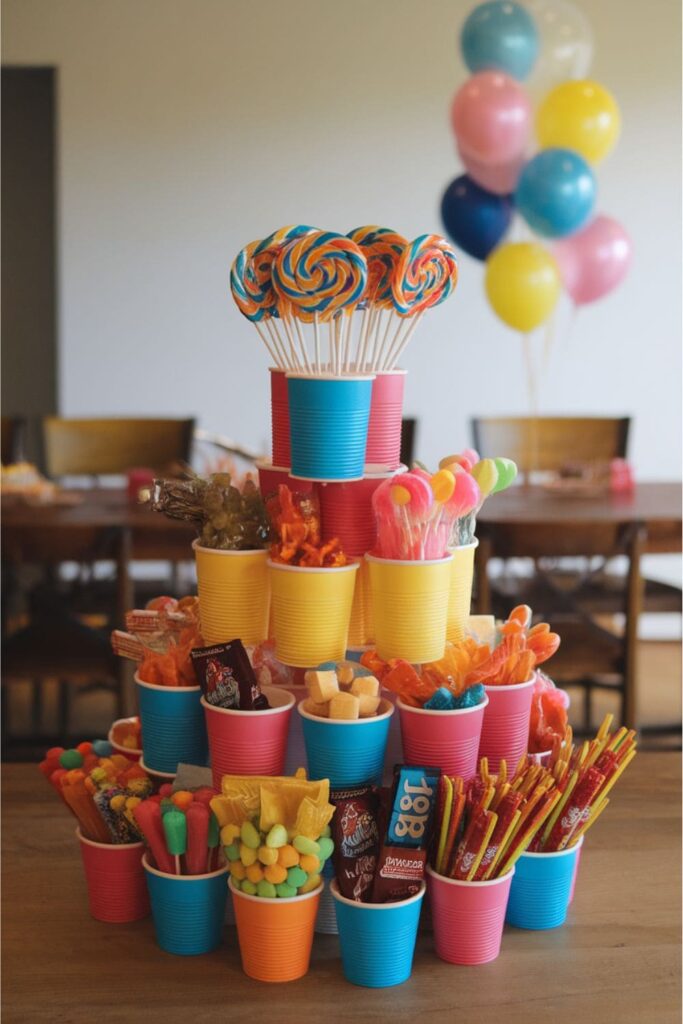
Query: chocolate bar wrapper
(226, 677)
(399, 875)
(407, 818)
(356, 840)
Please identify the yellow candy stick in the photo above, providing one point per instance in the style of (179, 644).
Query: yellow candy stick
(624, 764)
(445, 821)
(482, 849)
(529, 835)
(511, 829)
(594, 815)
(562, 800)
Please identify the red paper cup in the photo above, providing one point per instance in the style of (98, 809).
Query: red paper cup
(505, 732)
(449, 740)
(346, 510)
(271, 476)
(279, 406)
(386, 415)
(249, 742)
(117, 890)
(468, 917)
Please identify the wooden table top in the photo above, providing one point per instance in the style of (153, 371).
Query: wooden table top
(616, 959)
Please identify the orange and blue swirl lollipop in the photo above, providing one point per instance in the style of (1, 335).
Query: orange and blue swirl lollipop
(248, 296)
(320, 274)
(383, 249)
(426, 274)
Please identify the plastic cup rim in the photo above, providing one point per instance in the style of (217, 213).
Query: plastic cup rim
(117, 746)
(196, 546)
(372, 471)
(334, 889)
(267, 464)
(327, 479)
(166, 689)
(556, 853)
(297, 375)
(347, 721)
(182, 878)
(463, 882)
(155, 771)
(312, 568)
(275, 899)
(391, 373)
(407, 561)
(483, 704)
(268, 691)
(465, 547)
(514, 686)
(106, 846)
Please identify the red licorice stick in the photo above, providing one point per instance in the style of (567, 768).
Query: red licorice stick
(470, 845)
(197, 817)
(505, 811)
(148, 817)
(453, 830)
(81, 803)
(574, 813)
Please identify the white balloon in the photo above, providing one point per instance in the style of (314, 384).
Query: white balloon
(566, 44)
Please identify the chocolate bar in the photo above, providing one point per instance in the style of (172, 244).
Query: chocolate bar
(408, 815)
(226, 677)
(356, 840)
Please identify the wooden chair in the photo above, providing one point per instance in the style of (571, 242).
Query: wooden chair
(12, 443)
(590, 656)
(101, 447)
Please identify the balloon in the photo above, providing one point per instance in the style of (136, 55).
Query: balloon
(500, 35)
(556, 192)
(579, 115)
(594, 261)
(485, 472)
(491, 117)
(522, 284)
(475, 219)
(501, 179)
(566, 43)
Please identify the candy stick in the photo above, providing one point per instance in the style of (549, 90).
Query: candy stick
(457, 812)
(610, 782)
(302, 344)
(268, 345)
(519, 844)
(595, 813)
(502, 845)
(445, 816)
(507, 812)
(573, 814)
(316, 328)
(148, 818)
(80, 801)
(175, 830)
(393, 359)
(197, 816)
(492, 820)
(212, 841)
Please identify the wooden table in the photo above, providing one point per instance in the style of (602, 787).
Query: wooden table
(617, 959)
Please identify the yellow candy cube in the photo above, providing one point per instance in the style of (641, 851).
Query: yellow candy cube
(322, 686)
(345, 706)
(368, 705)
(321, 710)
(365, 685)
(345, 675)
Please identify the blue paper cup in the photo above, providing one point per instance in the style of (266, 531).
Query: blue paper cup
(326, 921)
(328, 426)
(173, 726)
(541, 887)
(346, 752)
(188, 910)
(377, 939)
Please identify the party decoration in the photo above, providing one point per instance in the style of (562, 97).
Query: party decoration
(491, 118)
(522, 284)
(566, 43)
(593, 262)
(556, 192)
(500, 35)
(582, 116)
(501, 179)
(475, 219)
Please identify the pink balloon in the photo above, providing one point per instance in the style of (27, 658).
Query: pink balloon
(594, 261)
(491, 117)
(501, 179)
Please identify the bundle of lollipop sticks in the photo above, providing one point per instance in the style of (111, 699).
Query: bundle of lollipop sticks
(359, 296)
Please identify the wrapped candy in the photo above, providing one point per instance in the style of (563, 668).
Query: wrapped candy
(295, 520)
(227, 518)
(548, 714)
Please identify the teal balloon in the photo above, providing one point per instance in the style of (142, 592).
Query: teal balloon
(500, 36)
(507, 471)
(556, 193)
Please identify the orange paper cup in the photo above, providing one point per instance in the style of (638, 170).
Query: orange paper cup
(275, 936)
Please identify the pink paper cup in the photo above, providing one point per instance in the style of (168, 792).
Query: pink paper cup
(468, 917)
(114, 876)
(249, 742)
(346, 510)
(386, 416)
(279, 408)
(271, 476)
(448, 740)
(505, 732)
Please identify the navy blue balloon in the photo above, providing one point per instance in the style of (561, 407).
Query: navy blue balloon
(476, 220)
(501, 36)
(556, 192)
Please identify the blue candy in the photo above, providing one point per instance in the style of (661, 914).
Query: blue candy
(469, 698)
(102, 748)
(442, 700)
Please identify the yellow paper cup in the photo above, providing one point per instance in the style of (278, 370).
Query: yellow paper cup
(460, 597)
(410, 607)
(311, 612)
(234, 594)
(361, 625)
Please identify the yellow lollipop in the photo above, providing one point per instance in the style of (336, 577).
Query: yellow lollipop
(485, 472)
(443, 485)
(400, 495)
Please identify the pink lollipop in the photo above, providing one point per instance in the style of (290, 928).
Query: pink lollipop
(465, 497)
(197, 816)
(148, 817)
(412, 495)
(472, 454)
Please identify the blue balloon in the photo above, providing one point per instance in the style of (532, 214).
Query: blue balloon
(476, 220)
(556, 192)
(500, 36)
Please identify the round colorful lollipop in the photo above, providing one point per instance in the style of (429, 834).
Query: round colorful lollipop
(485, 472)
(426, 274)
(320, 273)
(507, 472)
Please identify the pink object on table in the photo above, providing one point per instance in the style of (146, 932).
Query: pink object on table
(249, 742)
(505, 732)
(468, 917)
(138, 478)
(386, 414)
(449, 740)
(621, 476)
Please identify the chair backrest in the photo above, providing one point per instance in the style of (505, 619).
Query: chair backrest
(544, 443)
(98, 447)
(12, 439)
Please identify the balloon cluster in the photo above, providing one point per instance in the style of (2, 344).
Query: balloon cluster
(576, 125)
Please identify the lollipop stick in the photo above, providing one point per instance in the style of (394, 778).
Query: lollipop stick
(380, 354)
(368, 317)
(347, 343)
(374, 330)
(302, 344)
(278, 343)
(393, 360)
(316, 328)
(330, 327)
(177, 864)
(265, 341)
(288, 332)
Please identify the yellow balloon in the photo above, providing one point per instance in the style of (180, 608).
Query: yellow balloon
(522, 284)
(582, 116)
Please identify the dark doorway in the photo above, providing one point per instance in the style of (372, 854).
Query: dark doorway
(29, 329)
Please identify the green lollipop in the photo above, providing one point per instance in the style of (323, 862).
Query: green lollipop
(175, 831)
(507, 471)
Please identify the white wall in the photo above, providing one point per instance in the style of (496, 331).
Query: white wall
(188, 128)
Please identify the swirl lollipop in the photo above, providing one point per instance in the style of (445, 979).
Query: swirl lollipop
(402, 506)
(383, 249)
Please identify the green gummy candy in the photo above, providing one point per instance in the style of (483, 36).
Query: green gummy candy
(266, 889)
(296, 877)
(285, 891)
(248, 887)
(250, 836)
(326, 847)
(277, 837)
(71, 759)
(232, 852)
(175, 830)
(306, 846)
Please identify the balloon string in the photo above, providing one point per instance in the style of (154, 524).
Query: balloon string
(549, 336)
(533, 405)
